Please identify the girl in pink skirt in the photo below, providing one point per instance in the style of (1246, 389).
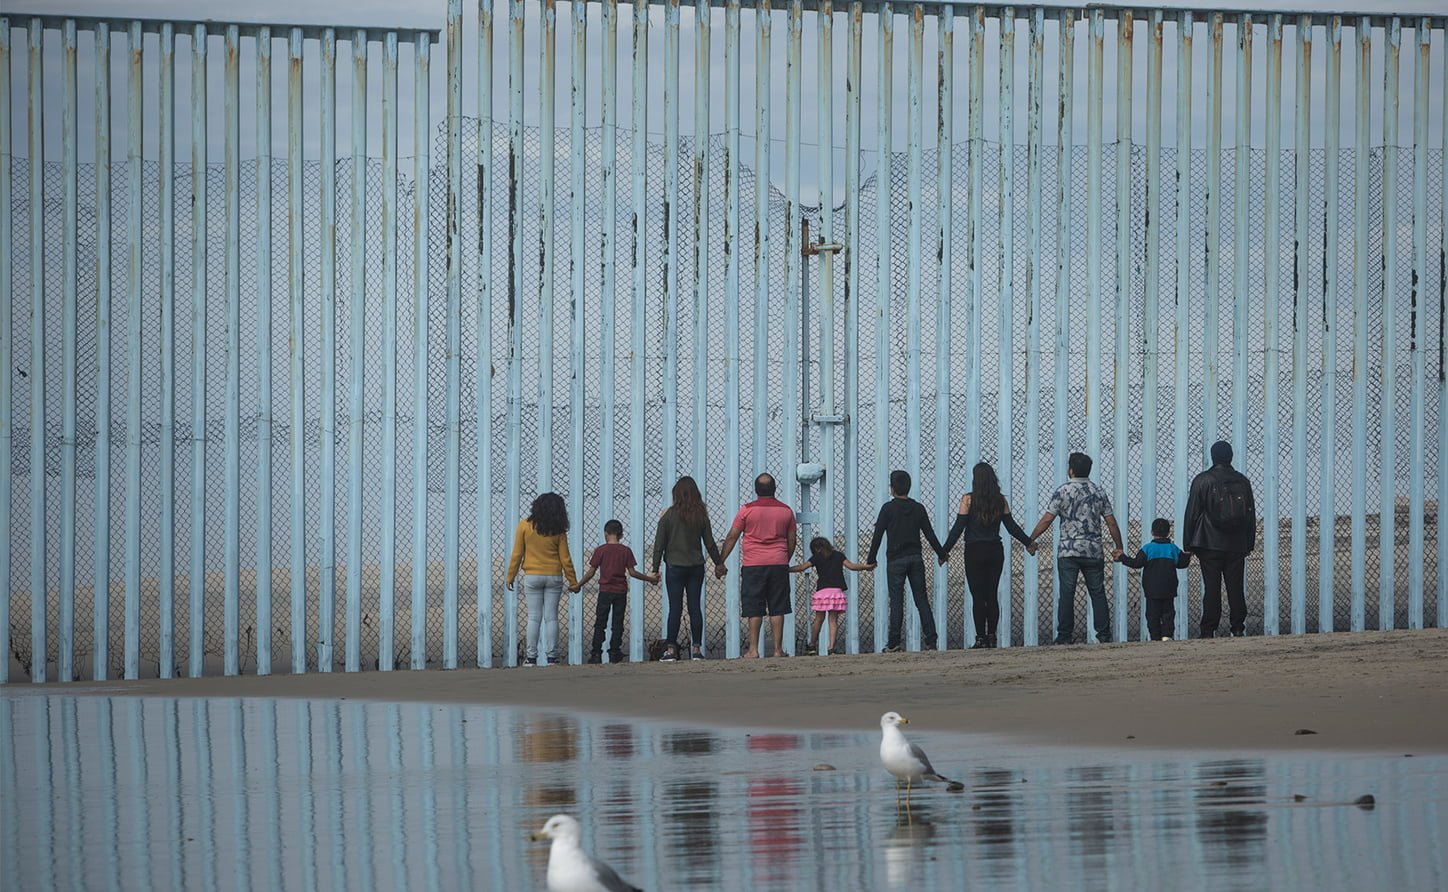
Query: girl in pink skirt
(829, 599)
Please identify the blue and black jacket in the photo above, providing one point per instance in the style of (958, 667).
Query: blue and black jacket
(1159, 561)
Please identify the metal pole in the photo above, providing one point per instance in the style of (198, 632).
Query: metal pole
(608, 261)
(484, 370)
(421, 165)
(1417, 472)
(1151, 304)
(1181, 423)
(356, 350)
(1066, 70)
(825, 522)
(514, 445)
(669, 392)
(884, 290)
(1361, 271)
(1443, 367)
(1271, 225)
(1241, 208)
(577, 152)
(701, 241)
(762, 95)
(732, 240)
(263, 348)
(1096, 53)
(296, 359)
(915, 222)
(327, 470)
(387, 560)
(849, 473)
(638, 120)
(454, 334)
(1121, 396)
(546, 163)
(945, 199)
(231, 123)
(1035, 89)
(101, 623)
(70, 167)
(1005, 399)
(134, 335)
(7, 307)
(1302, 174)
(1212, 245)
(35, 104)
(1327, 506)
(975, 298)
(794, 260)
(1387, 399)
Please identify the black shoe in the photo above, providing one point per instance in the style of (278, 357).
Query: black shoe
(530, 661)
(615, 657)
(1207, 634)
(892, 649)
(991, 640)
(981, 643)
(1103, 639)
(595, 659)
(925, 647)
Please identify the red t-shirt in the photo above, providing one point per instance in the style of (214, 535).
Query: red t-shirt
(612, 560)
(766, 524)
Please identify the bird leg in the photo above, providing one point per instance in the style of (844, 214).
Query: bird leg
(909, 785)
(897, 797)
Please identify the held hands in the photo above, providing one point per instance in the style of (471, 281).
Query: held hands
(1116, 554)
(944, 559)
(720, 571)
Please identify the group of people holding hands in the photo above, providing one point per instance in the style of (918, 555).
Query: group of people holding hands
(1219, 528)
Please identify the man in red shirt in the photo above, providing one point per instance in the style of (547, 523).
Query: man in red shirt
(770, 538)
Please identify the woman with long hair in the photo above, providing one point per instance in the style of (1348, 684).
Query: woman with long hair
(680, 541)
(540, 550)
(983, 511)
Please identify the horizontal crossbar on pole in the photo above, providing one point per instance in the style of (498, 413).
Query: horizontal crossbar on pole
(119, 24)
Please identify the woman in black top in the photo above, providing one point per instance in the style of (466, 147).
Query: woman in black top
(983, 511)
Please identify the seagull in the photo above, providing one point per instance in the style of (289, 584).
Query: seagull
(906, 761)
(570, 869)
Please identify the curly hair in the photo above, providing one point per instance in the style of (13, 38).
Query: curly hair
(986, 501)
(821, 548)
(688, 506)
(549, 516)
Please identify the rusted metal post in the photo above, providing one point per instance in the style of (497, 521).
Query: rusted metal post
(1125, 270)
(1387, 397)
(263, 343)
(70, 171)
(1036, 89)
(484, 370)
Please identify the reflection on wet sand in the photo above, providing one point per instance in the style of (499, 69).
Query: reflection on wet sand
(233, 794)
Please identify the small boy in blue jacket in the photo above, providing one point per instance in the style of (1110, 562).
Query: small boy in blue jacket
(1159, 560)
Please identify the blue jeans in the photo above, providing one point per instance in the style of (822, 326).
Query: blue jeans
(678, 582)
(1094, 572)
(541, 594)
(897, 572)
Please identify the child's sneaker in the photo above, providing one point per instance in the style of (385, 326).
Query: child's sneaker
(530, 661)
(671, 654)
(595, 659)
(697, 654)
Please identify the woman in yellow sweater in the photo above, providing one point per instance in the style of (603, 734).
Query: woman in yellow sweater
(540, 549)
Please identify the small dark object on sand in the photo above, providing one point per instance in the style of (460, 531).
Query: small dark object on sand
(955, 786)
(824, 766)
(1298, 797)
(1300, 731)
(1365, 802)
(1131, 737)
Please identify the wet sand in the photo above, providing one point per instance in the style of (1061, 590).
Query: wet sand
(1373, 691)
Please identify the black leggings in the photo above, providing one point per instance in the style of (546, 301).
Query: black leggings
(678, 581)
(983, 564)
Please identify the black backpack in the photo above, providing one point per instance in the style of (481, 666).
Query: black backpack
(1228, 503)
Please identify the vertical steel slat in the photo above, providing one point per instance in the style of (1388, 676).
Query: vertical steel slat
(7, 306)
(638, 121)
(577, 152)
(701, 245)
(1005, 400)
(296, 359)
(1327, 506)
(1151, 293)
(1417, 471)
(975, 297)
(1096, 53)
(884, 290)
(669, 293)
(454, 334)
(1443, 362)
(1241, 208)
(793, 259)
(1066, 70)
(134, 336)
(849, 473)
(101, 587)
(1181, 423)
(1036, 91)
(1271, 225)
(327, 466)
(732, 245)
(70, 169)
(546, 173)
(1302, 177)
(231, 115)
(1361, 273)
(263, 345)
(944, 135)
(762, 94)
(825, 110)
(1212, 244)
(422, 140)
(36, 163)
(484, 383)
(514, 445)
(356, 349)
(1387, 399)
(608, 262)
(915, 221)
(1121, 397)
(387, 560)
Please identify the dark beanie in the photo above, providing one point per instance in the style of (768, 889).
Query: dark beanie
(1221, 453)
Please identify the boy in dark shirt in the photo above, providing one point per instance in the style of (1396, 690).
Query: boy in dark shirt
(614, 562)
(1159, 560)
(906, 521)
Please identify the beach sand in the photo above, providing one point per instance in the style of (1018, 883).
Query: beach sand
(1373, 691)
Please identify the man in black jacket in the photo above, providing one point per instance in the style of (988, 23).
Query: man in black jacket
(905, 520)
(1220, 528)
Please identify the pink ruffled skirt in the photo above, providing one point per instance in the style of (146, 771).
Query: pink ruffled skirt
(828, 599)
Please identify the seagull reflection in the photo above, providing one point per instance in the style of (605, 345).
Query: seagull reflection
(905, 847)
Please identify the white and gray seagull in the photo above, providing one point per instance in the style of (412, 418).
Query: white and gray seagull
(906, 761)
(570, 868)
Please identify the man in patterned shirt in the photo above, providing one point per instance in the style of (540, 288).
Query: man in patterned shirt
(1083, 507)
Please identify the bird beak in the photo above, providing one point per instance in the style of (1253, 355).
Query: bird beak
(904, 721)
(537, 836)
